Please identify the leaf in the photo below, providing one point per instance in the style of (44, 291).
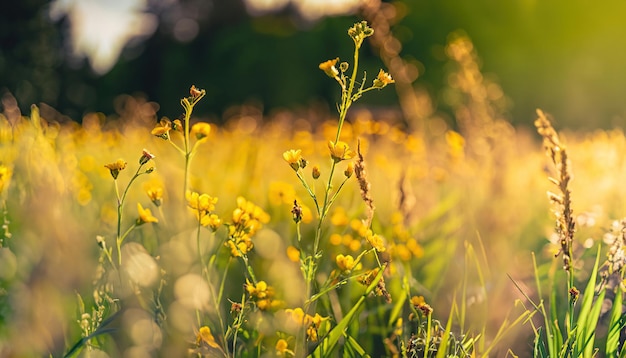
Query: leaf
(615, 326)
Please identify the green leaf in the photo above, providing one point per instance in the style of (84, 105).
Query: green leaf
(612, 339)
(586, 324)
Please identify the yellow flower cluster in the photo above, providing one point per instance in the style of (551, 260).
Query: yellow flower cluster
(203, 205)
(247, 220)
(403, 246)
(263, 295)
(312, 323)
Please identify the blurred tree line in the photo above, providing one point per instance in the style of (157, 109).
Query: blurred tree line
(564, 56)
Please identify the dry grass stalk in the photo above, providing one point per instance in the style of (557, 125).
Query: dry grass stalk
(364, 185)
(565, 224)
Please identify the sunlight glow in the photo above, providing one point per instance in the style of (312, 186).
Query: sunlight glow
(100, 29)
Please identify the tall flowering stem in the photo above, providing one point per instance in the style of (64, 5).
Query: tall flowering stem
(115, 168)
(339, 151)
(188, 104)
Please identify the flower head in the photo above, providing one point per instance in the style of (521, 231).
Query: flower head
(329, 68)
(154, 192)
(346, 263)
(146, 156)
(360, 31)
(145, 216)
(340, 151)
(294, 158)
(205, 336)
(201, 130)
(282, 349)
(383, 79)
(116, 167)
(162, 129)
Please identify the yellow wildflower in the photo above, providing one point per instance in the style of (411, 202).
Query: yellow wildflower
(383, 79)
(329, 68)
(200, 130)
(205, 335)
(154, 192)
(162, 130)
(340, 151)
(293, 254)
(375, 241)
(294, 158)
(145, 216)
(282, 348)
(5, 176)
(420, 304)
(200, 202)
(349, 170)
(116, 167)
(315, 172)
(312, 323)
(346, 263)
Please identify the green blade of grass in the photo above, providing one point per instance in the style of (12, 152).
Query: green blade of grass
(584, 322)
(612, 339)
(443, 346)
(329, 342)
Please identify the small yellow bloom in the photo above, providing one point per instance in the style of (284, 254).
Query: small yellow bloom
(154, 192)
(282, 349)
(293, 254)
(340, 151)
(162, 129)
(345, 263)
(177, 125)
(329, 68)
(205, 335)
(349, 170)
(200, 130)
(420, 304)
(294, 158)
(201, 202)
(5, 176)
(315, 172)
(212, 220)
(145, 216)
(383, 79)
(116, 167)
(375, 241)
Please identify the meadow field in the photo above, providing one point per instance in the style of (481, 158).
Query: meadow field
(312, 232)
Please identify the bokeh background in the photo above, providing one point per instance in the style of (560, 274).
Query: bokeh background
(78, 56)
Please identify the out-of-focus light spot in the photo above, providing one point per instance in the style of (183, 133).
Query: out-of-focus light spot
(140, 266)
(99, 29)
(186, 30)
(192, 292)
(257, 7)
(309, 9)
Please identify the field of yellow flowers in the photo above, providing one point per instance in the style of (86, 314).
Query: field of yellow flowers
(310, 234)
